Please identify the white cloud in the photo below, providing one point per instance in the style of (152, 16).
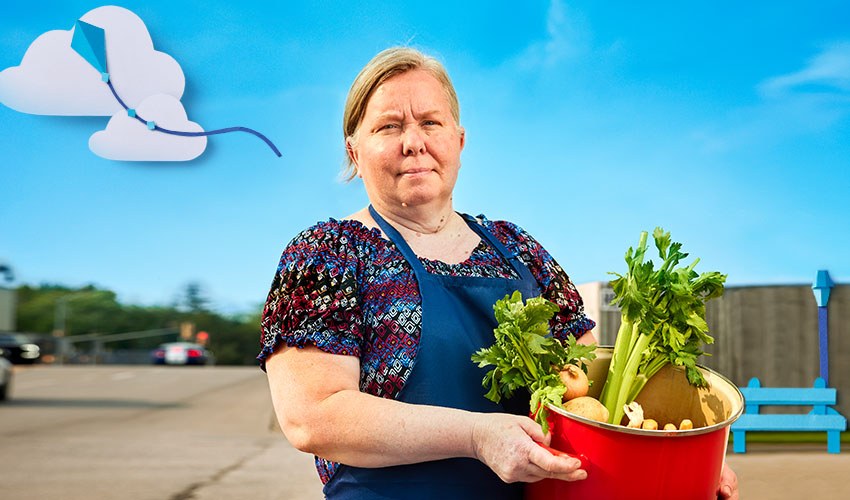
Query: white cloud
(809, 101)
(771, 122)
(828, 69)
(565, 39)
(54, 80)
(128, 139)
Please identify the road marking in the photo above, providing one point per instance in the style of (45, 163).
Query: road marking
(28, 384)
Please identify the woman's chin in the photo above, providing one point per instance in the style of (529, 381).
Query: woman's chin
(422, 194)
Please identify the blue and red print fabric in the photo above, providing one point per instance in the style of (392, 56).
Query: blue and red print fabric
(345, 289)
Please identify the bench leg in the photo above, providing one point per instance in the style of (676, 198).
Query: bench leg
(739, 442)
(833, 442)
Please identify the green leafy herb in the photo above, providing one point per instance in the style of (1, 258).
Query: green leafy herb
(663, 320)
(526, 355)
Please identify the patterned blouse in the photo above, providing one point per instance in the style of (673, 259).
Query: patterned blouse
(345, 289)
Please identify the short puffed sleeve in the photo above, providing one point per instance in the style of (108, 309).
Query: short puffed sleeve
(554, 283)
(313, 297)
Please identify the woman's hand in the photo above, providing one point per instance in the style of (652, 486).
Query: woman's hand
(728, 484)
(506, 444)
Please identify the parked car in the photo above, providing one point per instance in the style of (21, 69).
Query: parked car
(5, 376)
(179, 353)
(19, 349)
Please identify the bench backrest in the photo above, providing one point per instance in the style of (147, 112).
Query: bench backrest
(818, 396)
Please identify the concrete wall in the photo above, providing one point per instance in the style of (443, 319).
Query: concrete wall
(769, 332)
(596, 296)
(8, 307)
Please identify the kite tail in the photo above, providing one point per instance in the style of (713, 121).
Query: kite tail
(221, 131)
(197, 134)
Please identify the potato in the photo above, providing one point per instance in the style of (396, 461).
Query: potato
(587, 407)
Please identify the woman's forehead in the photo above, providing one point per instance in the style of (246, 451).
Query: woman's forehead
(416, 89)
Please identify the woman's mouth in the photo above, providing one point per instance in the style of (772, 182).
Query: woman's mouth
(418, 172)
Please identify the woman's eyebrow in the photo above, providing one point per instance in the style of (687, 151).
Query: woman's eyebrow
(389, 115)
(429, 113)
(396, 115)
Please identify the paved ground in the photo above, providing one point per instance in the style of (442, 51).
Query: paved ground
(137, 433)
(141, 432)
(801, 471)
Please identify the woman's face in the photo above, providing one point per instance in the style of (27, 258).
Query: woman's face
(408, 147)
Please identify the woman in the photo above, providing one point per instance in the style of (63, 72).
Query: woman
(371, 321)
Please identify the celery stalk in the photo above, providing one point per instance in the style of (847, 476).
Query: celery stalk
(663, 320)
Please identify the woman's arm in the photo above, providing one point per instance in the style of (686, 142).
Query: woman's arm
(322, 411)
(588, 338)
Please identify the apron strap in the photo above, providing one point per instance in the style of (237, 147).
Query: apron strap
(520, 268)
(400, 243)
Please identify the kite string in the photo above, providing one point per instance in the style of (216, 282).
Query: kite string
(196, 134)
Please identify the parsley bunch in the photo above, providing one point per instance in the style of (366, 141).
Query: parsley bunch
(526, 355)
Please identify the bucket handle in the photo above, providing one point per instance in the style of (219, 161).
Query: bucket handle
(585, 463)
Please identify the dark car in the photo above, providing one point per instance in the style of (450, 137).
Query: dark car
(19, 349)
(179, 353)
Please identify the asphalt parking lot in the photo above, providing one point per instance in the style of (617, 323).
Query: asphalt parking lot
(181, 433)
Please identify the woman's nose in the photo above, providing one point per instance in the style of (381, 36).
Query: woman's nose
(413, 143)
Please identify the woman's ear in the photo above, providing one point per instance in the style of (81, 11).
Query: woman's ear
(352, 153)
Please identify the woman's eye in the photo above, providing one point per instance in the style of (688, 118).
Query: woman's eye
(430, 122)
(388, 126)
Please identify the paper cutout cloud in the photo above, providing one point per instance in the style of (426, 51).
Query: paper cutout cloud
(129, 139)
(53, 79)
(106, 65)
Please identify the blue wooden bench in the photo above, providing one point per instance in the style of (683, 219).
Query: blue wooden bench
(821, 418)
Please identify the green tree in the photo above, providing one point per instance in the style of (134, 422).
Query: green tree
(233, 340)
(193, 298)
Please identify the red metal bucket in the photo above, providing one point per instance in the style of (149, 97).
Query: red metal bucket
(639, 464)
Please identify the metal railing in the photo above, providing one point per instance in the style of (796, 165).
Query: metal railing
(64, 344)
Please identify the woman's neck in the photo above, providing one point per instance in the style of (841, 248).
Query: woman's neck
(432, 233)
(420, 220)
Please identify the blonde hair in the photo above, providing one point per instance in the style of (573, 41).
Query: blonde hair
(389, 63)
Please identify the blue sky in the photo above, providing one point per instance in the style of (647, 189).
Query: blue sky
(726, 123)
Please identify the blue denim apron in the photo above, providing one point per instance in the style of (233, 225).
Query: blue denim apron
(457, 320)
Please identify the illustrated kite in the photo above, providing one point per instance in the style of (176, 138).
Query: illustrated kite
(89, 41)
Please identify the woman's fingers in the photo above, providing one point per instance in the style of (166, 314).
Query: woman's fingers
(554, 466)
(545, 464)
(506, 443)
(534, 431)
(728, 484)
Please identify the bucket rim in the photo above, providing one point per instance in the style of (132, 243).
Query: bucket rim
(661, 432)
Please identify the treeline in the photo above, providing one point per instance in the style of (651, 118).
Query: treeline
(234, 340)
